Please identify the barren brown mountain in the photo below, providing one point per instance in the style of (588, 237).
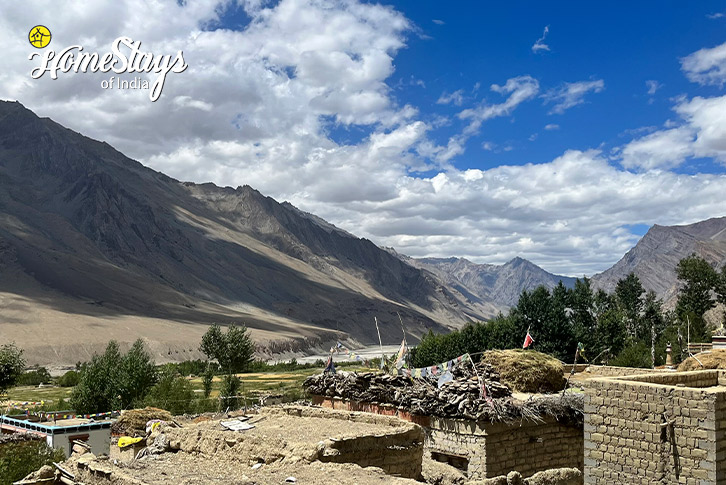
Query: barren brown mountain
(657, 254)
(94, 246)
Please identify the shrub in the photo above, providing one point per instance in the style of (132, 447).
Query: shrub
(634, 355)
(19, 459)
(69, 379)
(172, 393)
(34, 377)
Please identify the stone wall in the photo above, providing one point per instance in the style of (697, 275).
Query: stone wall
(494, 449)
(656, 428)
(487, 449)
(613, 371)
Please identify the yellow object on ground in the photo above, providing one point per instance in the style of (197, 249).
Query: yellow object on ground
(125, 441)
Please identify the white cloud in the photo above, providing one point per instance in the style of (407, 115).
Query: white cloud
(660, 150)
(540, 45)
(456, 98)
(652, 86)
(256, 107)
(716, 15)
(706, 66)
(552, 127)
(571, 94)
(707, 118)
(438, 22)
(517, 89)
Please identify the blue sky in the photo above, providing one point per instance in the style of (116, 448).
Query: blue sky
(440, 129)
(625, 44)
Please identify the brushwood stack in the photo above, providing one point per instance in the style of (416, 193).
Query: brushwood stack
(472, 394)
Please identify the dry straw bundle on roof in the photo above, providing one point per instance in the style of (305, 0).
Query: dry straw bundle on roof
(714, 359)
(133, 422)
(527, 370)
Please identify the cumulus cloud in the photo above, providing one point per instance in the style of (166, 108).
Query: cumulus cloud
(571, 94)
(540, 45)
(707, 118)
(552, 127)
(662, 149)
(258, 103)
(706, 66)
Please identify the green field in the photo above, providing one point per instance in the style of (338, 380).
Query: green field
(285, 383)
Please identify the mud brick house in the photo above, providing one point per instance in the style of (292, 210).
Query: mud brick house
(484, 449)
(656, 428)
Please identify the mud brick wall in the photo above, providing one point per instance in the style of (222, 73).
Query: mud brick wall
(398, 454)
(494, 449)
(613, 371)
(656, 428)
(491, 449)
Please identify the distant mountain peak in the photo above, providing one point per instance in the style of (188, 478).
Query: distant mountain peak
(654, 258)
(501, 284)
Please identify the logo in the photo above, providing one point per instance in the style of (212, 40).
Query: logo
(126, 57)
(39, 36)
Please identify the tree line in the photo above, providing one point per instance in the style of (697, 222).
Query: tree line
(628, 327)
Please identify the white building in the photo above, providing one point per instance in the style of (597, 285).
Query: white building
(62, 433)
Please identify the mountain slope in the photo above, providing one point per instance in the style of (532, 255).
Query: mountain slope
(94, 245)
(654, 258)
(501, 284)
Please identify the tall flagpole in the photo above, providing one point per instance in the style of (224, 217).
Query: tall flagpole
(379, 341)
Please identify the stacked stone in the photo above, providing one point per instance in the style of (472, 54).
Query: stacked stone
(656, 428)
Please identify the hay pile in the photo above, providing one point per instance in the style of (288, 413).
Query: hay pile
(133, 422)
(527, 370)
(715, 359)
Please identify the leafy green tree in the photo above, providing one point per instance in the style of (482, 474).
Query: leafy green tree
(699, 279)
(69, 379)
(229, 392)
(233, 350)
(636, 354)
(138, 373)
(583, 319)
(207, 380)
(546, 316)
(114, 381)
(628, 294)
(12, 365)
(611, 332)
(173, 393)
(98, 389)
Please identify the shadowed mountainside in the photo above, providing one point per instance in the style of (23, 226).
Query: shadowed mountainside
(93, 245)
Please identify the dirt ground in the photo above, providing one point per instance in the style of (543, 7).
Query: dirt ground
(185, 469)
(298, 430)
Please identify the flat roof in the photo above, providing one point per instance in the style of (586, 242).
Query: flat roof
(62, 426)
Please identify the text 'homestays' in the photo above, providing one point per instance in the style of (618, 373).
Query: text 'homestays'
(125, 57)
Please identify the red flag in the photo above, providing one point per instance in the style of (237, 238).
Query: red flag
(528, 340)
